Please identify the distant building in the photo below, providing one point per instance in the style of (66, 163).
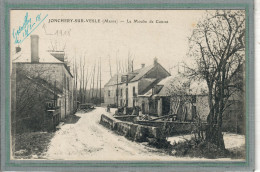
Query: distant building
(49, 71)
(123, 89)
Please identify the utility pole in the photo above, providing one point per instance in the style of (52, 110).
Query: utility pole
(100, 81)
(117, 83)
(93, 87)
(132, 65)
(97, 78)
(110, 67)
(126, 101)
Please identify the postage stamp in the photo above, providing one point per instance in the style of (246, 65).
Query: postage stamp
(129, 85)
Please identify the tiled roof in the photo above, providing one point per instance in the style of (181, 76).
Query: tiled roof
(141, 72)
(147, 83)
(113, 80)
(138, 74)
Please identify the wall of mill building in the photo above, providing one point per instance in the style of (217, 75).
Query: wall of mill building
(55, 74)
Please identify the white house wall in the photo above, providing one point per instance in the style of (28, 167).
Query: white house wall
(112, 98)
(130, 92)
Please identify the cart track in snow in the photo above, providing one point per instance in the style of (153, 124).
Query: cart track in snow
(88, 140)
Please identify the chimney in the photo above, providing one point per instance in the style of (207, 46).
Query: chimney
(17, 49)
(143, 65)
(155, 61)
(34, 48)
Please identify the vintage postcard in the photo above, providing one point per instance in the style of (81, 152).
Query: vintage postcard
(144, 85)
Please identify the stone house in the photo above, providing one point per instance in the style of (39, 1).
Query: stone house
(48, 67)
(56, 74)
(123, 89)
(35, 104)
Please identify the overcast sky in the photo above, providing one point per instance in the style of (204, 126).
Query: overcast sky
(144, 41)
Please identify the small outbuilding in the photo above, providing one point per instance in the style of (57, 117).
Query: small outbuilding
(176, 95)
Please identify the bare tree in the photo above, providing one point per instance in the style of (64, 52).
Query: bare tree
(218, 47)
(100, 81)
(98, 69)
(86, 84)
(110, 69)
(33, 87)
(179, 95)
(75, 73)
(80, 79)
(117, 81)
(83, 79)
(93, 82)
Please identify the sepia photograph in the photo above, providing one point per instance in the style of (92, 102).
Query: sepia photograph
(128, 85)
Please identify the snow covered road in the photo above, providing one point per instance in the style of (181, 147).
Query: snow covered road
(88, 140)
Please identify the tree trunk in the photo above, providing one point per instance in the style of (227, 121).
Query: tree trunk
(214, 127)
(214, 135)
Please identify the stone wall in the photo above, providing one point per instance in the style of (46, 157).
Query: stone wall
(129, 118)
(29, 113)
(55, 74)
(130, 130)
(173, 128)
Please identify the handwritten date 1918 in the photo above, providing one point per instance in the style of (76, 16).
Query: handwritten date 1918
(28, 26)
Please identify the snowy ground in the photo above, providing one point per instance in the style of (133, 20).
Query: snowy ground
(231, 140)
(88, 140)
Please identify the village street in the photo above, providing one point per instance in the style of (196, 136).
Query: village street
(86, 139)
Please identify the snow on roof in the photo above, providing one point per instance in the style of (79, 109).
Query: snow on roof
(44, 57)
(25, 54)
(166, 80)
(114, 80)
(149, 93)
(196, 87)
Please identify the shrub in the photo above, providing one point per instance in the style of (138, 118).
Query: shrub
(199, 148)
(160, 143)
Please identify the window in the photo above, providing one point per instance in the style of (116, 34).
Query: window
(134, 91)
(68, 83)
(108, 93)
(193, 99)
(121, 92)
(194, 111)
